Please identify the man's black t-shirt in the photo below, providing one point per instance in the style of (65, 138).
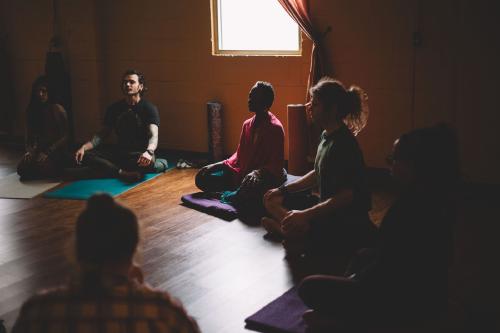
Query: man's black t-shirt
(131, 123)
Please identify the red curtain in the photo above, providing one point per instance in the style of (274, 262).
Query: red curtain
(299, 11)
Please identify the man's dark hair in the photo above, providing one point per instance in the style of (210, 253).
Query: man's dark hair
(142, 79)
(268, 92)
(106, 232)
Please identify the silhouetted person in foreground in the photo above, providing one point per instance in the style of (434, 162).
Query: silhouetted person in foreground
(405, 278)
(135, 122)
(257, 165)
(337, 223)
(46, 135)
(108, 293)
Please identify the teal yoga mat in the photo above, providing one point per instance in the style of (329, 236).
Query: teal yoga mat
(84, 189)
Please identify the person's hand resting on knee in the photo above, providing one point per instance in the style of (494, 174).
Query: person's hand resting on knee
(274, 195)
(251, 179)
(145, 159)
(296, 223)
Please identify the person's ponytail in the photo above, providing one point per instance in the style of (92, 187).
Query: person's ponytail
(356, 109)
(351, 104)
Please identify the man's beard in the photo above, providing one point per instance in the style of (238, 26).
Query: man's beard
(131, 93)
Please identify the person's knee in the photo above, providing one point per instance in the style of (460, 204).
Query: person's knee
(200, 180)
(89, 158)
(47, 168)
(309, 288)
(160, 165)
(266, 198)
(271, 201)
(35, 170)
(23, 169)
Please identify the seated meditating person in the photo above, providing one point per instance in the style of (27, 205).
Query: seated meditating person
(257, 164)
(135, 122)
(404, 279)
(108, 293)
(46, 135)
(338, 223)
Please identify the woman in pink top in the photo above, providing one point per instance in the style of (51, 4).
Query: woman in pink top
(257, 164)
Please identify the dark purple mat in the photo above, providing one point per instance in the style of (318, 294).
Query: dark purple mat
(210, 203)
(283, 315)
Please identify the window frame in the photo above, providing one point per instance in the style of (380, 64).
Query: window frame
(214, 8)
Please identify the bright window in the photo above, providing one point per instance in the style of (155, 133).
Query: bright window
(253, 27)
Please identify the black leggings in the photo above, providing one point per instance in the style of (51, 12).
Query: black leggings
(51, 167)
(37, 170)
(377, 299)
(108, 163)
(216, 179)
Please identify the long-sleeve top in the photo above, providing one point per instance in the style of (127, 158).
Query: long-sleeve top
(49, 133)
(414, 252)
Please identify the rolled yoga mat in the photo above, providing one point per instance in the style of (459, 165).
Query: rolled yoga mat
(298, 139)
(215, 142)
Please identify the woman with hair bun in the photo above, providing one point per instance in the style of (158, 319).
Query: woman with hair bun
(338, 223)
(108, 293)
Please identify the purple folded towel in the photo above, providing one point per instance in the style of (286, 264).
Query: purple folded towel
(210, 203)
(283, 315)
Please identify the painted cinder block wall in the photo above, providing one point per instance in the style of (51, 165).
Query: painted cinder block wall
(450, 77)
(172, 45)
(370, 46)
(25, 30)
(29, 28)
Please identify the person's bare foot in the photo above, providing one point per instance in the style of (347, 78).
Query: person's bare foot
(130, 176)
(272, 226)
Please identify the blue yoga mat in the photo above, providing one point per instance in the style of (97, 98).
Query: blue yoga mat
(84, 189)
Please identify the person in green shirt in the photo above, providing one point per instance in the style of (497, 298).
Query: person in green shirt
(339, 220)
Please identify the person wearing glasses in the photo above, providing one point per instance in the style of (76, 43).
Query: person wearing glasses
(404, 279)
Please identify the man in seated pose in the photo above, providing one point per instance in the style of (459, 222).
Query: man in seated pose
(339, 222)
(108, 293)
(257, 164)
(135, 122)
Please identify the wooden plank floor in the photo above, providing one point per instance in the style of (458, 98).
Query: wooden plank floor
(221, 271)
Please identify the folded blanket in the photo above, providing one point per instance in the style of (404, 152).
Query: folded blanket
(283, 315)
(210, 203)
